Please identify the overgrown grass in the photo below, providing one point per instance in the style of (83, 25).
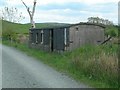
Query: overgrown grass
(96, 66)
(98, 63)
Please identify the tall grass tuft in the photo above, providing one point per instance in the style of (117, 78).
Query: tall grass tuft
(98, 63)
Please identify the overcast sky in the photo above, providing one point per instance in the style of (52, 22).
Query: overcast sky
(66, 11)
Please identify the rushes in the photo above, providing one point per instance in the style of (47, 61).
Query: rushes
(100, 63)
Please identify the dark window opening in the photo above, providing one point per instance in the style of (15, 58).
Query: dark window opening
(36, 38)
(76, 28)
(98, 41)
(52, 40)
(31, 37)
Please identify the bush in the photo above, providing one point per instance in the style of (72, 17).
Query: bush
(111, 31)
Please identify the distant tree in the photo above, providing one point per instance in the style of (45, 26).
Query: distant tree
(31, 13)
(98, 20)
(11, 14)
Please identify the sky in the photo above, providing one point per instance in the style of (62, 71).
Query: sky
(119, 13)
(66, 11)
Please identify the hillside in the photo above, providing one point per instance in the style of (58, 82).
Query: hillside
(9, 27)
(18, 28)
(23, 28)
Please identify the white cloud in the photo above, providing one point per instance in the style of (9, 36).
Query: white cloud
(119, 13)
(12, 2)
(56, 16)
(45, 2)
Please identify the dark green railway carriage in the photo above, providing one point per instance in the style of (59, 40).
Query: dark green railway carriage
(49, 39)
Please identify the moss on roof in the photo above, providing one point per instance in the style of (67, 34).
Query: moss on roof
(86, 23)
(69, 25)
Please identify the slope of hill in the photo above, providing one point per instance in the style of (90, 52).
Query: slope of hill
(23, 28)
(18, 28)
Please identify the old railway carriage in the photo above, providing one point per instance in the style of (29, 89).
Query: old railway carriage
(66, 38)
(49, 39)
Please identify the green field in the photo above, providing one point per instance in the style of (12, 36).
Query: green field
(24, 28)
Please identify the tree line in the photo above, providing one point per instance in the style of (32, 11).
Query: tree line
(98, 20)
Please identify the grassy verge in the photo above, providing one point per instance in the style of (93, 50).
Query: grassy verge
(96, 66)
